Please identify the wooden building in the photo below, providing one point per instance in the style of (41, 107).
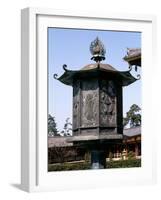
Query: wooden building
(59, 150)
(132, 140)
(133, 56)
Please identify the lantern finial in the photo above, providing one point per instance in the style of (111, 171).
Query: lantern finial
(97, 50)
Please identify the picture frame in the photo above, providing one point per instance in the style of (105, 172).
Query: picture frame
(34, 173)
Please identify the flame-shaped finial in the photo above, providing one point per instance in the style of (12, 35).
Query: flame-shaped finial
(98, 50)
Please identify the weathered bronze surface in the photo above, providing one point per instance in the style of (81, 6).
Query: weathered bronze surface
(97, 103)
(92, 70)
(96, 107)
(97, 98)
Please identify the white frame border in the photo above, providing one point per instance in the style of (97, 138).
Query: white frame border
(29, 174)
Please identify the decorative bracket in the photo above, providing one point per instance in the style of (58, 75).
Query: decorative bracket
(130, 69)
(65, 67)
(55, 76)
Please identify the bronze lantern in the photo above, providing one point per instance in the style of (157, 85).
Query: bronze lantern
(97, 104)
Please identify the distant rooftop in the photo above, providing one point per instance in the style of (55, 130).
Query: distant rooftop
(130, 132)
(133, 56)
(58, 142)
(131, 52)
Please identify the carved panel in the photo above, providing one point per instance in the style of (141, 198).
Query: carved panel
(108, 103)
(76, 104)
(92, 132)
(89, 103)
(106, 131)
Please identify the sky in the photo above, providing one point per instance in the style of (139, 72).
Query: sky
(71, 47)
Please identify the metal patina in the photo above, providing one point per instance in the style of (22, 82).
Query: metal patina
(97, 104)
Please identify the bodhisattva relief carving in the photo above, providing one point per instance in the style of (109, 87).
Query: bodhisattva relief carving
(108, 103)
(89, 103)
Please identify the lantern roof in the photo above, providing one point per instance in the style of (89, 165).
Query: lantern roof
(98, 51)
(89, 70)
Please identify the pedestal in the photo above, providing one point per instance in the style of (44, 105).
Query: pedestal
(97, 146)
(98, 159)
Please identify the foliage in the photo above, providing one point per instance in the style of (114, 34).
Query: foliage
(86, 165)
(60, 153)
(110, 156)
(64, 154)
(87, 156)
(67, 130)
(69, 166)
(131, 155)
(52, 129)
(133, 117)
(124, 163)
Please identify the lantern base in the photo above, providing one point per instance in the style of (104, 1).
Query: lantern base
(98, 159)
(88, 138)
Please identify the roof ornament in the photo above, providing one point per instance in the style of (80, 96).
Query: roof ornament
(65, 67)
(138, 76)
(97, 50)
(55, 76)
(133, 57)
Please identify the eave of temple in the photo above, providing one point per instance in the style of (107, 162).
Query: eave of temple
(133, 56)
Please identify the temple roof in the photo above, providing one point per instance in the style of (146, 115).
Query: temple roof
(134, 131)
(58, 142)
(69, 75)
(133, 56)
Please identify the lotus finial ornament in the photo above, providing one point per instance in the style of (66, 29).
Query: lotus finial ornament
(97, 50)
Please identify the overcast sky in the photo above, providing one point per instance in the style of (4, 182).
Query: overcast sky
(71, 47)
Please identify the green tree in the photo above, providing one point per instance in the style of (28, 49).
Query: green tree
(67, 130)
(52, 129)
(133, 116)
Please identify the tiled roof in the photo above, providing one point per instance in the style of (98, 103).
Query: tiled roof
(129, 132)
(58, 142)
(132, 53)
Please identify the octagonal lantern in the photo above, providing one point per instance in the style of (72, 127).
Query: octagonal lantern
(97, 103)
(97, 100)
